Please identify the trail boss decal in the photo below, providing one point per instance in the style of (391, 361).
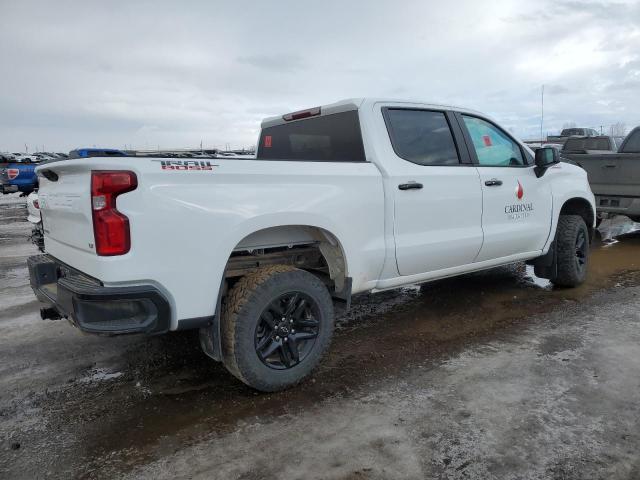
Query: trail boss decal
(186, 165)
(518, 211)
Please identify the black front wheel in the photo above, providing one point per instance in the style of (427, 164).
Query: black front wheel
(277, 323)
(572, 244)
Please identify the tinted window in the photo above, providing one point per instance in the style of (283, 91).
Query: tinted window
(572, 131)
(584, 144)
(329, 138)
(493, 147)
(421, 136)
(632, 144)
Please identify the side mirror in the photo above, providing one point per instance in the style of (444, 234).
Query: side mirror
(545, 157)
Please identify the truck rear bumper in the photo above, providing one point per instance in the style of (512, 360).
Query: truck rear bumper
(94, 308)
(617, 204)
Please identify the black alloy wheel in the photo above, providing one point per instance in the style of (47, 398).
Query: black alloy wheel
(287, 330)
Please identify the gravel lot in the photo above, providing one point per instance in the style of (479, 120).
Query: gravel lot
(491, 375)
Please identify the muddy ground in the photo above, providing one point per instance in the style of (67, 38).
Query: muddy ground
(491, 375)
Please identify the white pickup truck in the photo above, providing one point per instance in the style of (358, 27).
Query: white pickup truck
(362, 195)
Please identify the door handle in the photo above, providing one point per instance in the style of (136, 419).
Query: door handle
(609, 166)
(410, 186)
(494, 182)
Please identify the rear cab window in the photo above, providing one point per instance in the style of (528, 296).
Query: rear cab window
(423, 137)
(584, 144)
(328, 138)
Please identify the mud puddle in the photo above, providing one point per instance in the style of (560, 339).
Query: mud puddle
(162, 394)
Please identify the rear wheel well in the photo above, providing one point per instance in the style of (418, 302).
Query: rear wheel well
(308, 248)
(580, 206)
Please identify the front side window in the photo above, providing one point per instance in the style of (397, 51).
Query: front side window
(421, 136)
(493, 147)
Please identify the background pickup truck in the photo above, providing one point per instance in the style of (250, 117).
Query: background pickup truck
(18, 177)
(614, 176)
(571, 132)
(362, 195)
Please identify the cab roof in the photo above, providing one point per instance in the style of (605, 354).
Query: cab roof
(356, 104)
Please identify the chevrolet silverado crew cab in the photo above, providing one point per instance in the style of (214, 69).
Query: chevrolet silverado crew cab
(359, 196)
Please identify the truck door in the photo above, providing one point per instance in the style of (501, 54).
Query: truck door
(435, 189)
(516, 204)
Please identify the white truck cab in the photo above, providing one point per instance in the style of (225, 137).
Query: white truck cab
(360, 195)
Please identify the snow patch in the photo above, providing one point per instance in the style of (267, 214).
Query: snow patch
(100, 375)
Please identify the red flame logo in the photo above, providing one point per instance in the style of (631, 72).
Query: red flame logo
(519, 191)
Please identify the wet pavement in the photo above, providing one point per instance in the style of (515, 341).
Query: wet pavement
(490, 375)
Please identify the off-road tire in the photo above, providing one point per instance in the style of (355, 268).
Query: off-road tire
(241, 312)
(568, 272)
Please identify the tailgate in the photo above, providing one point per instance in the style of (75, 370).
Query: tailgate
(65, 204)
(611, 174)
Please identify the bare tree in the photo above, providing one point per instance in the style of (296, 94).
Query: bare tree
(618, 129)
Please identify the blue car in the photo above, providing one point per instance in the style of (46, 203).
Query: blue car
(18, 177)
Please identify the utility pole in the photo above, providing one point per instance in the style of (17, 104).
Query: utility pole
(542, 114)
(601, 129)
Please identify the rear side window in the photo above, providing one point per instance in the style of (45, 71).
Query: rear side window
(421, 136)
(329, 138)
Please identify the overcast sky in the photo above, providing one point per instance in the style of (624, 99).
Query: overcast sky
(171, 74)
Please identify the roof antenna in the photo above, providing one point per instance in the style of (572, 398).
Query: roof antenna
(542, 115)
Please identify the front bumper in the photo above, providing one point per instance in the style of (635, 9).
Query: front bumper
(94, 308)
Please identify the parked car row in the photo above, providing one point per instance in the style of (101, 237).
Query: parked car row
(17, 170)
(30, 157)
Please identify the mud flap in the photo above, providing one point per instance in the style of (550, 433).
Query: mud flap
(344, 295)
(546, 266)
(209, 341)
(210, 336)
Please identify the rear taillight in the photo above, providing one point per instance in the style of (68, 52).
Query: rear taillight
(12, 173)
(110, 227)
